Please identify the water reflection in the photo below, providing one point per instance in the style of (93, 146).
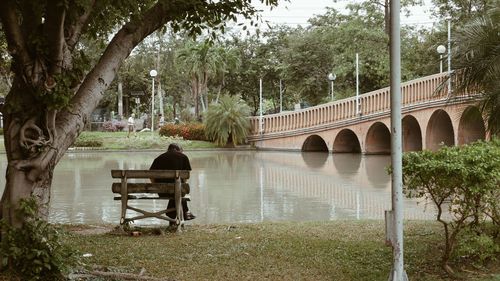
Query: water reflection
(315, 159)
(376, 170)
(347, 163)
(235, 186)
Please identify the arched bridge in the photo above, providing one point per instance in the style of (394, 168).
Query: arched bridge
(430, 118)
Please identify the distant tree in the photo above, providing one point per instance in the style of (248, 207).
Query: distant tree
(204, 61)
(478, 60)
(461, 11)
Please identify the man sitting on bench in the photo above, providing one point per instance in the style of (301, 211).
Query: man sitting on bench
(173, 159)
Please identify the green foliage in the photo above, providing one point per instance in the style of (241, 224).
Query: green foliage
(87, 143)
(190, 131)
(463, 184)
(226, 122)
(477, 54)
(34, 250)
(478, 247)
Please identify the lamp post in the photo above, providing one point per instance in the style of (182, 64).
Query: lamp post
(153, 74)
(357, 84)
(441, 49)
(261, 125)
(449, 54)
(332, 77)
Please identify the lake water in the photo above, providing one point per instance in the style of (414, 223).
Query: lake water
(235, 186)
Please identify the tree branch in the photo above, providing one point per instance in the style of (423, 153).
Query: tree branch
(54, 32)
(103, 73)
(16, 42)
(74, 31)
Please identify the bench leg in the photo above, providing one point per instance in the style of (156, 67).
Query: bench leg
(178, 204)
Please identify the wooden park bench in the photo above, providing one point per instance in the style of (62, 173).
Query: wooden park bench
(140, 188)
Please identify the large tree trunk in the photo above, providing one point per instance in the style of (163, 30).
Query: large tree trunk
(33, 146)
(36, 134)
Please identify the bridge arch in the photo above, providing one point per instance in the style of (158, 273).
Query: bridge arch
(439, 130)
(314, 143)
(412, 135)
(378, 139)
(346, 141)
(471, 126)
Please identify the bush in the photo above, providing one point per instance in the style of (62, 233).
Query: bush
(108, 126)
(34, 251)
(113, 126)
(478, 247)
(87, 143)
(191, 131)
(461, 181)
(227, 121)
(119, 125)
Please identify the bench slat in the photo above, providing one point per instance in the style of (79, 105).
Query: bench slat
(145, 174)
(147, 187)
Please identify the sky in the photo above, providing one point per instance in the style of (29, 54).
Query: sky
(297, 12)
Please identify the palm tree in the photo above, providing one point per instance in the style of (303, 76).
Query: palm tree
(478, 55)
(204, 62)
(226, 122)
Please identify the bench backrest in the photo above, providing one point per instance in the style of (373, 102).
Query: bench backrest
(147, 187)
(146, 174)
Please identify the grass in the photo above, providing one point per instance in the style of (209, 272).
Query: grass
(145, 140)
(336, 250)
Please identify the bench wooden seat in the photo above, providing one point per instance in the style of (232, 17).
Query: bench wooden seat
(130, 188)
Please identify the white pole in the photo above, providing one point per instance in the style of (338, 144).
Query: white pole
(357, 84)
(160, 98)
(449, 55)
(332, 90)
(440, 63)
(260, 107)
(153, 105)
(398, 273)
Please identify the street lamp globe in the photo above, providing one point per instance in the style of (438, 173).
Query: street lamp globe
(153, 73)
(441, 49)
(332, 76)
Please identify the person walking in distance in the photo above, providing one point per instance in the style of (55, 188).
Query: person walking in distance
(173, 159)
(131, 125)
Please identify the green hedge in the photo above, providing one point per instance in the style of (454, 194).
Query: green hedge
(87, 143)
(190, 131)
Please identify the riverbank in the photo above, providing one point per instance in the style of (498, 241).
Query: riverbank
(330, 250)
(119, 141)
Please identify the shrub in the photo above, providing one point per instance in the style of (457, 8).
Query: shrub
(462, 181)
(227, 121)
(191, 131)
(477, 247)
(34, 251)
(87, 143)
(108, 126)
(119, 125)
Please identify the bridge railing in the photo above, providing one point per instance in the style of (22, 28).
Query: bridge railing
(422, 90)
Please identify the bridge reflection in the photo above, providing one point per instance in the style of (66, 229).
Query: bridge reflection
(360, 189)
